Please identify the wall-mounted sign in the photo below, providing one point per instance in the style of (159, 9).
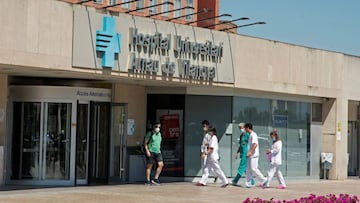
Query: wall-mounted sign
(2, 115)
(108, 42)
(135, 45)
(186, 51)
(130, 126)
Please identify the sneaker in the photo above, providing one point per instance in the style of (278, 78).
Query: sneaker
(233, 183)
(215, 179)
(264, 185)
(225, 185)
(253, 182)
(248, 186)
(148, 183)
(200, 184)
(260, 185)
(280, 187)
(155, 182)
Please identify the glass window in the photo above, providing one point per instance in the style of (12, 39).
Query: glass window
(98, 1)
(188, 10)
(165, 7)
(152, 10)
(292, 121)
(177, 5)
(217, 110)
(316, 115)
(127, 5)
(112, 2)
(140, 4)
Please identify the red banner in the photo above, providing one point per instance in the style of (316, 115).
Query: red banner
(170, 126)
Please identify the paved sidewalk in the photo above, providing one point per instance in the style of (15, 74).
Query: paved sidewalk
(178, 192)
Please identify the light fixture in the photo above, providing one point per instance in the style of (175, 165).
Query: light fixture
(201, 11)
(120, 4)
(213, 17)
(138, 9)
(80, 2)
(155, 14)
(224, 22)
(257, 23)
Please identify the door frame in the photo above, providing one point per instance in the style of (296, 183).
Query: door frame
(53, 94)
(94, 180)
(123, 146)
(83, 181)
(42, 162)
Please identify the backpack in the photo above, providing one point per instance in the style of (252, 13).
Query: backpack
(150, 139)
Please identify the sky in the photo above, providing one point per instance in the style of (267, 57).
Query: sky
(324, 24)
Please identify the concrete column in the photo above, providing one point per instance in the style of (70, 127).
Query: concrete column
(3, 101)
(135, 97)
(335, 119)
(341, 154)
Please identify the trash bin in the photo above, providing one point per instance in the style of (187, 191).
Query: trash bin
(326, 163)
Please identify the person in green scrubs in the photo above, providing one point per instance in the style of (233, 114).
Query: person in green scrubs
(242, 150)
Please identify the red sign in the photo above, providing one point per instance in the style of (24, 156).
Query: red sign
(170, 126)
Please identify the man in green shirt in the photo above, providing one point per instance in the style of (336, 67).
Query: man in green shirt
(152, 145)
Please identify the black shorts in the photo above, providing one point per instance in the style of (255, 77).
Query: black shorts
(154, 158)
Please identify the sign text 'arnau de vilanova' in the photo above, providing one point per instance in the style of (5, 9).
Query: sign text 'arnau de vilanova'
(184, 50)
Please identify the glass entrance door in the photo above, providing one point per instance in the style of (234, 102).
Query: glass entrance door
(41, 141)
(118, 144)
(56, 153)
(82, 137)
(26, 141)
(99, 142)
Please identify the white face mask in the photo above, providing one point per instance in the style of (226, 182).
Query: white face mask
(242, 130)
(205, 129)
(157, 130)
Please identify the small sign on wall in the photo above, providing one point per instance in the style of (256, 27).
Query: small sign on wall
(130, 126)
(2, 115)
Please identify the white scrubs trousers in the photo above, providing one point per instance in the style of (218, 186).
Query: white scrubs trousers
(213, 165)
(252, 171)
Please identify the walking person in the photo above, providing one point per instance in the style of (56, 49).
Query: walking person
(242, 150)
(212, 161)
(152, 145)
(275, 161)
(205, 143)
(253, 158)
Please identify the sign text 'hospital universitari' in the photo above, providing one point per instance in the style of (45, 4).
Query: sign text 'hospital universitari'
(185, 52)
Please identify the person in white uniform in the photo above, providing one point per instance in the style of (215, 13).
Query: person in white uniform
(275, 162)
(212, 161)
(204, 145)
(253, 158)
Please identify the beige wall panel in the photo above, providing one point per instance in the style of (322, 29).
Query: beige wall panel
(329, 117)
(352, 77)
(135, 97)
(274, 66)
(279, 61)
(41, 33)
(3, 101)
(298, 65)
(225, 67)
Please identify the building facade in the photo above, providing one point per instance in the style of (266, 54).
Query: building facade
(80, 86)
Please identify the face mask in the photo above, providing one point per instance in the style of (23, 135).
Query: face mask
(242, 130)
(157, 130)
(205, 128)
(273, 139)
